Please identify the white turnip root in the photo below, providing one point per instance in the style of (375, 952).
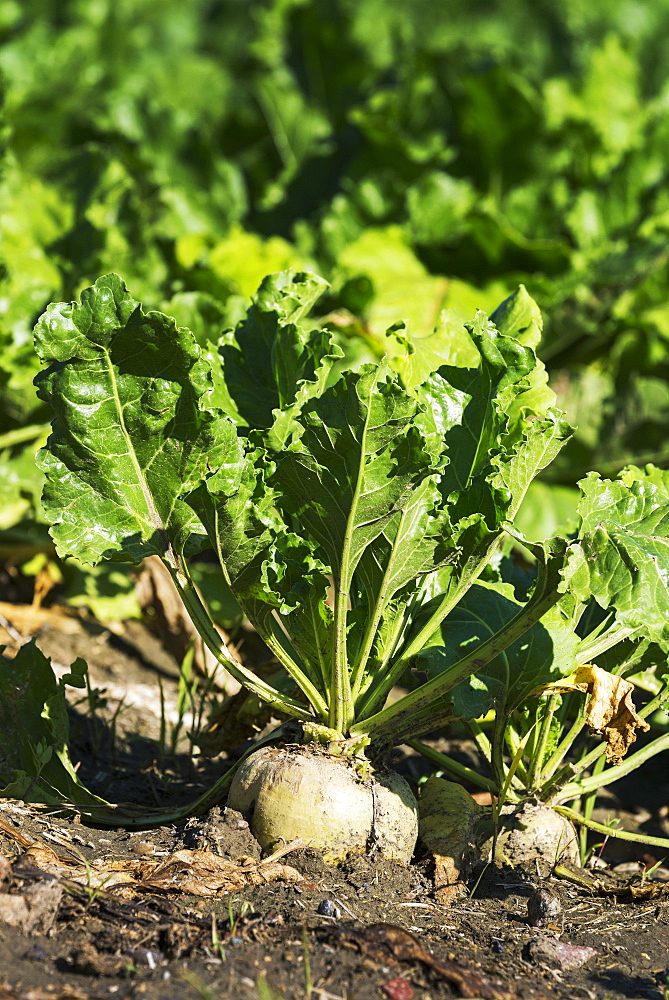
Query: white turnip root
(322, 799)
(533, 833)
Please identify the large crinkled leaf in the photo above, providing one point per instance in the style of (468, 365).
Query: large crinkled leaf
(272, 571)
(359, 458)
(499, 426)
(269, 362)
(544, 653)
(621, 557)
(129, 434)
(492, 434)
(35, 763)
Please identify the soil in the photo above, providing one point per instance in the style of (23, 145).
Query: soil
(364, 929)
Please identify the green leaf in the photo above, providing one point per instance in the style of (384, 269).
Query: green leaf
(498, 433)
(404, 289)
(245, 258)
(34, 759)
(621, 557)
(519, 316)
(269, 361)
(130, 433)
(359, 458)
(544, 653)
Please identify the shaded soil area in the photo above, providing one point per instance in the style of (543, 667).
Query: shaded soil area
(295, 928)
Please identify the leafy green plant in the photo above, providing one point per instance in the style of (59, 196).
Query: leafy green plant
(438, 159)
(35, 762)
(358, 516)
(549, 760)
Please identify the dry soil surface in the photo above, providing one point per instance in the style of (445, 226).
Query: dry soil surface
(296, 928)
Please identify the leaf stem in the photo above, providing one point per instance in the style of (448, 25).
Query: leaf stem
(610, 831)
(513, 740)
(341, 701)
(398, 716)
(566, 743)
(450, 600)
(381, 602)
(379, 688)
(341, 706)
(583, 786)
(480, 738)
(212, 640)
(448, 764)
(590, 648)
(539, 751)
(497, 752)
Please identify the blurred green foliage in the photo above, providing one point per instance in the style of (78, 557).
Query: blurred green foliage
(425, 157)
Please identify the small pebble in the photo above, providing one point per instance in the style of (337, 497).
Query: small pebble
(398, 989)
(542, 907)
(35, 953)
(327, 908)
(146, 956)
(144, 848)
(560, 954)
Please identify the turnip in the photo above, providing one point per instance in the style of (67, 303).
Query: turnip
(533, 834)
(325, 800)
(358, 517)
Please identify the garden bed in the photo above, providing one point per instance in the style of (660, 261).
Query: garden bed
(382, 933)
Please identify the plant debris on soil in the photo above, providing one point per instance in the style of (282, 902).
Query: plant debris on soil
(193, 910)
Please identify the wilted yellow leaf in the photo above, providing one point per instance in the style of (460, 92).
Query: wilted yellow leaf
(610, 711)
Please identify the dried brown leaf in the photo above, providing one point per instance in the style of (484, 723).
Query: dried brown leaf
(388, 941)
(202, 873)
(198, 872)
(610, 711)
(641, 891)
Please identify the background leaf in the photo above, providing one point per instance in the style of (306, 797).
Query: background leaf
(34, 757)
